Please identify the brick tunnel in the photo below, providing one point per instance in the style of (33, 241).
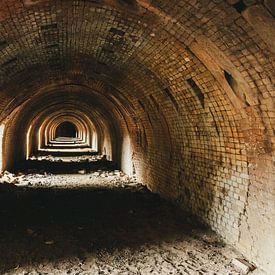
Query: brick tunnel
(176, 95)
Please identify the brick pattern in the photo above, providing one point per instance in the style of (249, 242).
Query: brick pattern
(156, 70)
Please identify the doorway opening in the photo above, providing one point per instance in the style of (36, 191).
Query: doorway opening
(66, 129)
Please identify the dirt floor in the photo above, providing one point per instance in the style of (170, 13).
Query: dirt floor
(65, 164)
(101, 223)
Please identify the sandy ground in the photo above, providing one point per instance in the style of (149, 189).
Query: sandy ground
(101, 223)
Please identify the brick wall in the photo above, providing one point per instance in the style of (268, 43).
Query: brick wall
(190, 83)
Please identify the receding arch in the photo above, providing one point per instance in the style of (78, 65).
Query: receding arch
(66, 129)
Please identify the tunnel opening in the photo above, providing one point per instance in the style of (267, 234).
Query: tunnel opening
(62, 140)
(66, 129)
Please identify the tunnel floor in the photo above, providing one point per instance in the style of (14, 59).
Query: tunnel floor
(65, 164)
(101, 223)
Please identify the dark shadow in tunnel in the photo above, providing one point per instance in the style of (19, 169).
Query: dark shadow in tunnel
(75, 222)
(66, 129)
(35, 166)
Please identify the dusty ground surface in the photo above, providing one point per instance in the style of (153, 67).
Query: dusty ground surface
(101, 223)
(65, 164)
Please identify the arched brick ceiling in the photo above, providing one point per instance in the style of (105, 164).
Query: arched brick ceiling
(191, 81)
(118, 43)
(135, 47)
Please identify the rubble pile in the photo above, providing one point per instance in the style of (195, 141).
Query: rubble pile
(82, 158)
(110, 179)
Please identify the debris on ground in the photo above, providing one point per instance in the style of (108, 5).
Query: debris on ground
(49, 242)
(244, 266)
(88, 224)
(81, 158)
(8, 177)
(65, 164)
(82, 172)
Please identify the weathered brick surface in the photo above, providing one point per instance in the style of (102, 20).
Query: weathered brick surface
(190, 82)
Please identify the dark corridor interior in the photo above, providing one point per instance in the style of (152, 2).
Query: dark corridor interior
(137, 137)
(66, 129)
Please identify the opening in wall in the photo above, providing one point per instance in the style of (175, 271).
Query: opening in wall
(230, 80)
(128, 2)
(168, 93)
(235, 87)
(197, 91)
(240, 6)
